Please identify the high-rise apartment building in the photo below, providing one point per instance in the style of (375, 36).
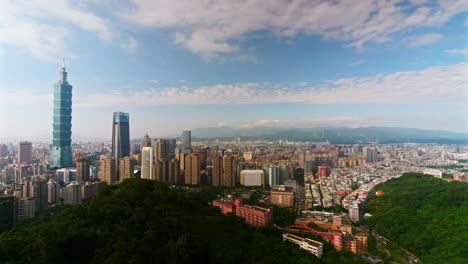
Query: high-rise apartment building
(229, 171)
(272, 175)
(217, 171)
(24, 208)
(82, 169)
(174, 171)
(71, 194)
(108, 172)
(192, 169)
(120, 137)
(3, 150)
(24, 152)
(187, 141)
(161, 170)
(161, 149)
(127, 166)
(61, 155)
(146, 142)
(53, 192)
(39, 192)
(147, 163)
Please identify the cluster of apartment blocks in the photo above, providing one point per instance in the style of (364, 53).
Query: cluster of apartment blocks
(253, 215)
(342, 234)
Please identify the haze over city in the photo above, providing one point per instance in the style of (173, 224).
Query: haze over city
(198, 64)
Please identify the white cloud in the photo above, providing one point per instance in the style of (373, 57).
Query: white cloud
(434, 85)
(425, 39)
(457, 51)
(153, 81)
(359, 62)
(213, 28)
(27, 25)
(130, 45)
(309, 123)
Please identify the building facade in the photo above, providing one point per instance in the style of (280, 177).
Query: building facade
(127, 166)
(24, 152)
(147, 163)
(187, 141)
(229, 171)
(82, 169)
(282, 196)
(61, 155)
(120, 137)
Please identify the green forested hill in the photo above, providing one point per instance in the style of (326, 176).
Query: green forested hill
(142, 221)
(425, 215)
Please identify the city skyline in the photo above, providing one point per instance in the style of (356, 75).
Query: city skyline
(321, 70)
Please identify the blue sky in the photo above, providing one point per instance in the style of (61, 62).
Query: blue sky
(177, 65)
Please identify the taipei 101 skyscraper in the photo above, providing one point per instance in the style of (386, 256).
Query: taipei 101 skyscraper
(61, 156)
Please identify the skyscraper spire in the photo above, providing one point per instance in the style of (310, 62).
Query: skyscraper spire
(63, 73)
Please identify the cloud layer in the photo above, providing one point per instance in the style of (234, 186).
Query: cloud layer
(434, 85)
(213, 28)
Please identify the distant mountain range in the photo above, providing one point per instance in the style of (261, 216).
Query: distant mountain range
(338, 135)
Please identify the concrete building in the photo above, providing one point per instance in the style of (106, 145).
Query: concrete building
(91, 189)
(252, 178)
(323, 171)
(147, 163)
(217, 172)
(229, 171)
(253, 215)
(126, 170)
(24, 208)
(3, 150)
(53, 192)
(192, 169)
(66, 175)
(174, 171)
(108, 171)
(24, 152)
(354, 213)
(146, 142)
(161, 149)
(248, 155)
(71, 194)
(312, 246)
(272, 175)
(282, 196)
(82, 169)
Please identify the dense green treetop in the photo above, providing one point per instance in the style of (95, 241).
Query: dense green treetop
(425, 215)
(143, 221)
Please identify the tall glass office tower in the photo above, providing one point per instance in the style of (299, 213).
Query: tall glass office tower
(61, 156)
(120, 137)
(187, 141)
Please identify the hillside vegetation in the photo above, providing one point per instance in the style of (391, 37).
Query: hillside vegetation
(143, 221)
(425, 215)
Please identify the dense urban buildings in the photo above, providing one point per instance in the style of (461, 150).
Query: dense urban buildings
(61, 155)
(282, 196)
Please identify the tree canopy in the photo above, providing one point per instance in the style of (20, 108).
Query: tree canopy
(425, 215)
(143, 221)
